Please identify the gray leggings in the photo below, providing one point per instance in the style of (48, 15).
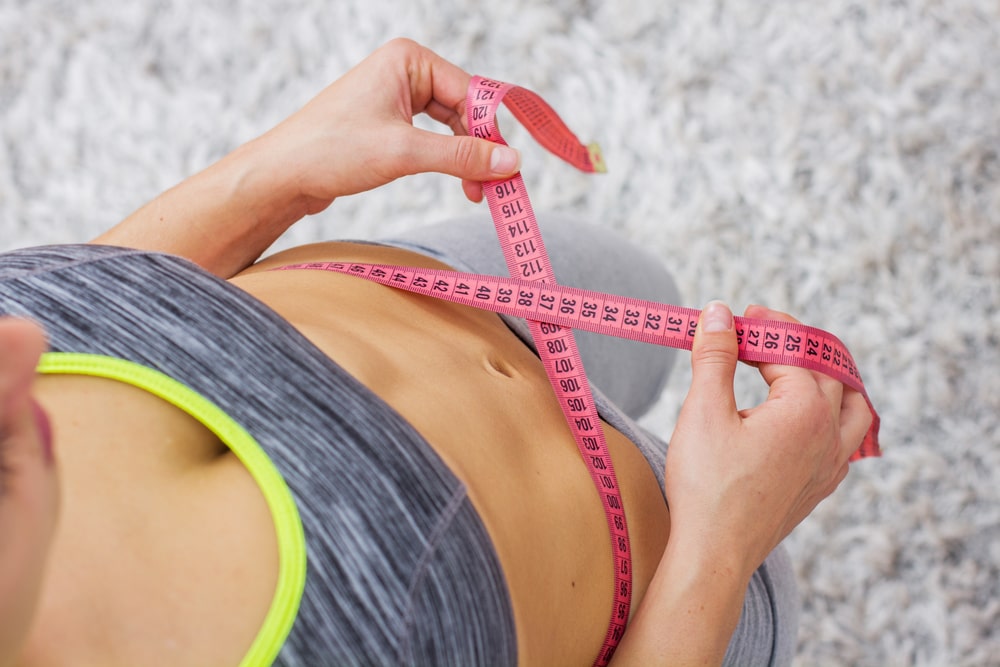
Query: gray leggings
(628, 377)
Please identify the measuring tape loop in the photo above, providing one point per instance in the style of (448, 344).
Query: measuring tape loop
(553, 311)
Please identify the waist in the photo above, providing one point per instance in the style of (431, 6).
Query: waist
(482, 400)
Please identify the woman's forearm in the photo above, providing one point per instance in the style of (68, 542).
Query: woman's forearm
(222, 218)
(689, 611)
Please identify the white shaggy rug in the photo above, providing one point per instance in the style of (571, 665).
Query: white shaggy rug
(839, 160)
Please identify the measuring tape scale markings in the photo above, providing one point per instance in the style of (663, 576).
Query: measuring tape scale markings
(760, 340)
(526, 257)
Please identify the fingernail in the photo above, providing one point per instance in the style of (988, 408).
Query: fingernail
(504, 160)
(717, 317)
(44, 431)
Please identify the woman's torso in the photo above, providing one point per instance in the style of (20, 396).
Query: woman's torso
(460, 377)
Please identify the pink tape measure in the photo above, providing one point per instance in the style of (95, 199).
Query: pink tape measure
(554, 310)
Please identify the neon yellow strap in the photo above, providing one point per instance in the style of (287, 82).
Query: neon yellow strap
(287, 524)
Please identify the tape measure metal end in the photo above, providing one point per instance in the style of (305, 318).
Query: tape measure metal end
(597, 158)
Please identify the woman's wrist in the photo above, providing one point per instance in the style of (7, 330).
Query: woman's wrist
(263, 187)
(222, 218)
(723, 547)
(690, 609)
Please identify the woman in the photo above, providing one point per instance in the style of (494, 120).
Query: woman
(302, 467)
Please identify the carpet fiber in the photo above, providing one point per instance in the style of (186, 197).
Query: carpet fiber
(839, 160)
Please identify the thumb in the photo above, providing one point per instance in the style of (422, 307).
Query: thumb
(466, 157)
(714, 355)
(25, 433)
(29, 492)
(21, 344)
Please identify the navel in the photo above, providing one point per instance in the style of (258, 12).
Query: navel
(499, 366)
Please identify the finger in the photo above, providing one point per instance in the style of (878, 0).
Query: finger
(473, 190)
(837, 479)
(830, 386)
(442, 114)
(437, 86)
(855, 420)
(21, 344)
(23, 423)
(29, 492)
(772, 372)
(714, 356)
(25, 432)
(464, 157)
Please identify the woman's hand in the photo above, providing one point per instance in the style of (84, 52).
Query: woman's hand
(739, 481)
(358, 133)
(29, 493)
